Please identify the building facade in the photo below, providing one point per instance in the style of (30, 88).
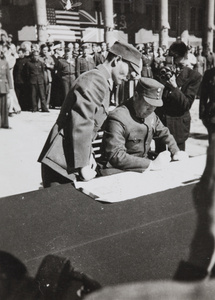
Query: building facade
(135, 21)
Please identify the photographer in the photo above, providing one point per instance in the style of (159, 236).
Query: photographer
(181, 86)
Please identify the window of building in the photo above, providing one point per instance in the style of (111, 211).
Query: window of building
(196, 19)
(153, 16)
(123, 6)
(173, 17)
(15, 2)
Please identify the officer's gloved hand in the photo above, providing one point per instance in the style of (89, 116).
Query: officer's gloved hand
(180, 155)
(88, 172)
(161, 161)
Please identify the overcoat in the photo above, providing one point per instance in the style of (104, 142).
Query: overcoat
(5, 77)
(69, 144)
(177, 102)
(127, 139)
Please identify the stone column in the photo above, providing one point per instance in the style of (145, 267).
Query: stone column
(184, 21)
(41, 19)
(210, 23)
(164, 23)
(108, 21)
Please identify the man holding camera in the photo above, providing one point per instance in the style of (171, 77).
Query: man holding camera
(181, 86)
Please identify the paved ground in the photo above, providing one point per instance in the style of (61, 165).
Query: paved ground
(21, 146)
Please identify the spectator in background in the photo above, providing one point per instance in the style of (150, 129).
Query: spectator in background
(210, 59)
(158, 62)
(95, 54)
(201, 64)
(35, 47)
(2, 31)
(103, 53)
(20, 80)
(147, 62)
(191, 58)
(76, 51)
(5, 85)
(70, 46)
(49, 67)
(12, 46)
(4, 39)
(57, 95)
(140, 47)
(85, 62)
(67, 71)
(179, 93)
(13, 102)
(35, 74)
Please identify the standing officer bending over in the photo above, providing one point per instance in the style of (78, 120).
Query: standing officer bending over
(68, 151)
(131, 127)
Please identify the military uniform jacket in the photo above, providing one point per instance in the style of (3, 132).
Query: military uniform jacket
(65, 68)
(207, 97)
(84, 64)
(127, 139)
(35, 72)
(177, 102)
(5, 78)
(84, 110)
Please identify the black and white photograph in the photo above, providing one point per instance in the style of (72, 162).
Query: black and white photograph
(107, 149)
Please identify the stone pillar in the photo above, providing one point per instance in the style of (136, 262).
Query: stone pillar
(184, 21)
(41, 19)
(108, 21)
(164, 23)
(210, 23)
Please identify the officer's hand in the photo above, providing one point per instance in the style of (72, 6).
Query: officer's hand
(161, 161)
(93, 163)
(87, 173)
(180, 155)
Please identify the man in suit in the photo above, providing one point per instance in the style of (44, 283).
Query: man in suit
(20, 79)
(178, 96)
(35, 74)
(67, 153)
(102, 54)
(130, 129)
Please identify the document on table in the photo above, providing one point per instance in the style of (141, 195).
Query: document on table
(129, 185)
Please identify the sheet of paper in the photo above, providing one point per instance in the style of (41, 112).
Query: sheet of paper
(128, 185)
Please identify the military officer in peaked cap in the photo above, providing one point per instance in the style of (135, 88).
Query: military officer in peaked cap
(67, 153)
(130, 129)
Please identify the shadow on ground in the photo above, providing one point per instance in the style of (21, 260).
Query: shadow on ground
(198, 136)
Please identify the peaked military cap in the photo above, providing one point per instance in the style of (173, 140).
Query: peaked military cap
(151, 89)
(128, 53)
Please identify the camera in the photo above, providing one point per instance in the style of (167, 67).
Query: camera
(168, 70)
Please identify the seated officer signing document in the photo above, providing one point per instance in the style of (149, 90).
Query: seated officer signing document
(131, 127)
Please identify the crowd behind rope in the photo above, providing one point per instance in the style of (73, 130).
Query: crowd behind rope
(42, 74)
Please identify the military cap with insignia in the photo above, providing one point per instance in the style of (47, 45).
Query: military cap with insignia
(151, 89)
(128, 53)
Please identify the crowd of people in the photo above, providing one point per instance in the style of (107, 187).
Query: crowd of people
(41, 75)
(37, 77)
